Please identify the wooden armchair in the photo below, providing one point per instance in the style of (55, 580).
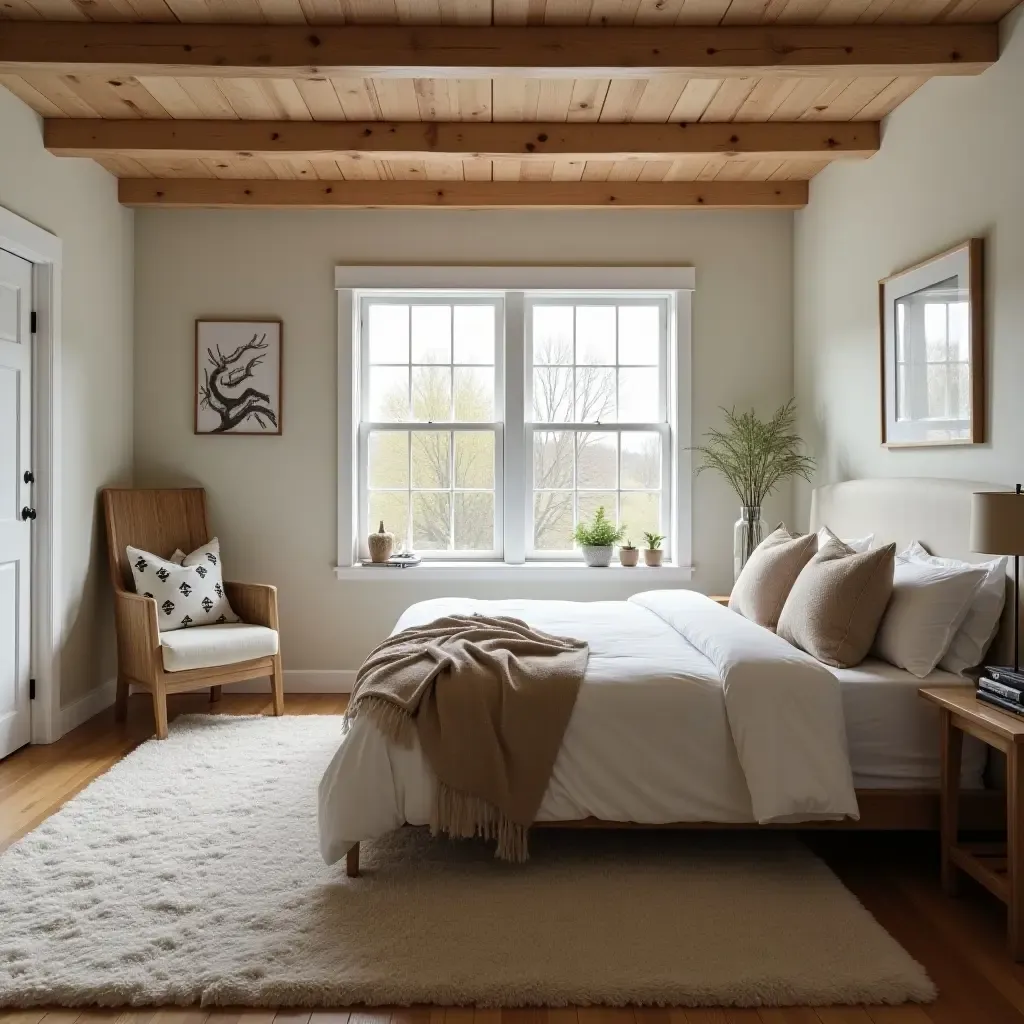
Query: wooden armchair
(160, 521)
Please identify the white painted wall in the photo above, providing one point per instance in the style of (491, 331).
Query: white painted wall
(951, 167)
(273, 500)
(77, 200)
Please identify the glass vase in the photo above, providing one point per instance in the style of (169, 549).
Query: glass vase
(749, 531)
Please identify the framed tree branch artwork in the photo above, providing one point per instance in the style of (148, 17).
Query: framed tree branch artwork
(238, 376)
(933, 351)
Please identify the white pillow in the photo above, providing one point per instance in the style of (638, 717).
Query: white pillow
(189, 593)
(981, 623)
(928, 604)
(858, 545)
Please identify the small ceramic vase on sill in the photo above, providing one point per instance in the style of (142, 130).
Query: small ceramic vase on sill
(381, 544)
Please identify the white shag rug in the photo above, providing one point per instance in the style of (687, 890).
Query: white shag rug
(190, 873)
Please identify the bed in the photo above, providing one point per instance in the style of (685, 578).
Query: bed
(690, 716)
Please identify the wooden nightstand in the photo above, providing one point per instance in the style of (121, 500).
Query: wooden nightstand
(997, 866)
(719, 599)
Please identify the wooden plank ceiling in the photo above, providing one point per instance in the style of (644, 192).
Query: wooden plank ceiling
(844, 102)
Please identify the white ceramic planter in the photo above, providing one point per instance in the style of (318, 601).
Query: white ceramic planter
(597, 557)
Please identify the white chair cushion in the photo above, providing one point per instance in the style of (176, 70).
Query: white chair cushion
(209, 646)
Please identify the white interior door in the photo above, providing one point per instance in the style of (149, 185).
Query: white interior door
(16, 511)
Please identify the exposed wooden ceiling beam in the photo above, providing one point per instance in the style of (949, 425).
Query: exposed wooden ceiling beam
(294, 51)
(267, 194)
(413, 140)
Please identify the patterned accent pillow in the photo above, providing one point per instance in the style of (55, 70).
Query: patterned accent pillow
(189, 591)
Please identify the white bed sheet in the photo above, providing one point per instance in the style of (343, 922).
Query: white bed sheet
(892, 734)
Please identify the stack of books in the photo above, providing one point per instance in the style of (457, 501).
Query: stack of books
(1002, 688)
(401, 560)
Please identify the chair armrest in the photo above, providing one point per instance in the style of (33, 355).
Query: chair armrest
(138, 635)
(256, 603)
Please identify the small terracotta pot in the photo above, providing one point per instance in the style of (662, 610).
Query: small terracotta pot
(629, 556)
(652, 556)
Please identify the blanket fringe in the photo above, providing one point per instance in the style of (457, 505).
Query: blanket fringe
(394, 722)
(463, 816)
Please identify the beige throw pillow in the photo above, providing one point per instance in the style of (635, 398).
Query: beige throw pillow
(765, 581)
(837, 602)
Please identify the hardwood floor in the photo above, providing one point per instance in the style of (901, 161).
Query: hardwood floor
(960, 942)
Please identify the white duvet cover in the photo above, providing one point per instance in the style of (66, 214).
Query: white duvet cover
(687, 712)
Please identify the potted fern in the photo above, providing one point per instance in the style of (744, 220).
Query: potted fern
(755, 456)
(597, 538)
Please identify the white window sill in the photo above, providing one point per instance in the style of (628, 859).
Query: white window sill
(641, 575)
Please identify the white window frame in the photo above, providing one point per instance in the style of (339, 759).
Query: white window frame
(662, 425)
(366, 426)
(673, 284)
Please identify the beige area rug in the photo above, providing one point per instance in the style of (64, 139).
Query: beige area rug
(190, 873)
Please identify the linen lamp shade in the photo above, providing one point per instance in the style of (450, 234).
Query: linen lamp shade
(997, 528)
(997, 523)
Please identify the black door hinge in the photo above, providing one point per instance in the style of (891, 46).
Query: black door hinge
(33, 322)
(31, 689)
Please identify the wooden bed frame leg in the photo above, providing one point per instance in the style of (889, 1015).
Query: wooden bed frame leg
(352, 862)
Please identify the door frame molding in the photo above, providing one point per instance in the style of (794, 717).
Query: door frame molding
(45, 251)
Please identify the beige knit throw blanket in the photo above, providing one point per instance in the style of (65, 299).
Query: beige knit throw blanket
(490, 700)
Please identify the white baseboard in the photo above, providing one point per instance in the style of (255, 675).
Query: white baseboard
(91, 704)
(337, 680)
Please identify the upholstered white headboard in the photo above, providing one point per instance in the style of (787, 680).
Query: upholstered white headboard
(936, 512)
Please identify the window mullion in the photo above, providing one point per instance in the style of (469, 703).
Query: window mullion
(518, 474)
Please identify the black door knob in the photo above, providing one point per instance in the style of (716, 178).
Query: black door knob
(28, 513)
(30, 477)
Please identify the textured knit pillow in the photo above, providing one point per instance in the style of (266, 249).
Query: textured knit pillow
(837, 602)
(765, 581)
(928, 605)
(190, 593)
(980, 625)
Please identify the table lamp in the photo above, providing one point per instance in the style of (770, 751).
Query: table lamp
(997, 528)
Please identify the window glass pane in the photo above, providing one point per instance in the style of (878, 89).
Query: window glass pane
(638, 395)
(391, 508)
(431, 456)
(597, 456)
(474, 394)
(935, 330)
(431, 521)
(474, 458)
(595, 394)
(389, 333)
(389, 393)
(432, 393)
(641, 460)
(474, 521)
(474, 334)
(553, 459)
(640, 512)
(552, 335)
(639, 335)
(389, 459)
(588, 502)
(552, 521)
(552, 395)
(431, 334)
(959, 331)
(595, 335)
